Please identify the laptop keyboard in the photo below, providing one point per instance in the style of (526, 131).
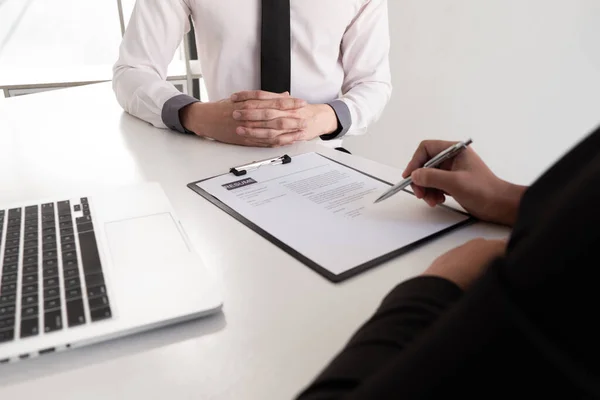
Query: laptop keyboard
(51, 274)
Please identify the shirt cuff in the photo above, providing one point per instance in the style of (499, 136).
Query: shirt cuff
(344, 120)
(170, 111)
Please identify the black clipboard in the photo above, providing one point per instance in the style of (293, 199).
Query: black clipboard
(335, 278)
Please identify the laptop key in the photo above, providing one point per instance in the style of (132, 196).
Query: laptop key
(30, 269)
(30, 279)
(30, 251)
(49, 231)
(100, 314)
(52, 262)
(51, 304)
(13, 235)
(49, 239)
(6, 336)
(81, 228)
(65, 218)
(75, 313)
(14, 213)
(68, 246)
(94, 279)
(29, 312)
(6, 279)
(29, 300)
(32, 259)
(29, 327)
(9, 288)
(10, 269)
(72, 283)
(11, 251)
(64, 207)
(50, 293)
(29, 227)
(70, 264)
(16, 227)
(48, 208)
(66, 231)
(48, 225)
(69, 255)
(7, 322)
(89, 254)
(31, 243)
(11, 259)
(83, 220)
(53, 321)
(49, 254)
(72, 294)
(8, 299)
(51, 282)
(30, 289)
(71, 273)
(51, 272)
(49, 246)
(7, 311)
(31, 235)
(98, 302)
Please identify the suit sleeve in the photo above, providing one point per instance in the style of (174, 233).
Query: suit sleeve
(405, 313)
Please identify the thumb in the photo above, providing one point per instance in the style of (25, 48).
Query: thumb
(435, 178)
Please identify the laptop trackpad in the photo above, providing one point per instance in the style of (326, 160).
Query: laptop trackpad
(143, 242)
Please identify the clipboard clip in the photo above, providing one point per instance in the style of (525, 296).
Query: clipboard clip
(244, 169)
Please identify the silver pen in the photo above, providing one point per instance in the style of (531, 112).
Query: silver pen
(433, 163)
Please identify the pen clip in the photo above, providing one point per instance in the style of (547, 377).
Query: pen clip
(244, 169)
(446, 154)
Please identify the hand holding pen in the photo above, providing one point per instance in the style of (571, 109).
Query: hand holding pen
(466, 178)
(432, 162)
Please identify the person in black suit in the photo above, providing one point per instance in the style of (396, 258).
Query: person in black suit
(490, 319)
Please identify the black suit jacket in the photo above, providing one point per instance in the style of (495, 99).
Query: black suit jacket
(527, 329)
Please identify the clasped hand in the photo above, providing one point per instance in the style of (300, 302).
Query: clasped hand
(271, 119)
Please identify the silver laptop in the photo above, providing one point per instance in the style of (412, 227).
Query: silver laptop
(89, 268)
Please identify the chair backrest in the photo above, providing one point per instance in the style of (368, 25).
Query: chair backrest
(121, 16)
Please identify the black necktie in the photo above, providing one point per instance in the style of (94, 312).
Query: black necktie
(275, 53)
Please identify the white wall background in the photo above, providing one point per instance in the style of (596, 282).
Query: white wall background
(521, 71)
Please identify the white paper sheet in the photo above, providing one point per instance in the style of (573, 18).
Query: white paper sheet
(325, 211)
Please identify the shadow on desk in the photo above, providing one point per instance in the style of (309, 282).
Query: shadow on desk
(56, 363)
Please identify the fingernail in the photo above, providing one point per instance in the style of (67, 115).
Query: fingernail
(237, 114)
(234, 97)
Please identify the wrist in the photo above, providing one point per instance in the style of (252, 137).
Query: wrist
(191, 115)
(325, 119)
(507, 199)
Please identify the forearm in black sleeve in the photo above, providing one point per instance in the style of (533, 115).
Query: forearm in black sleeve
(406, 312)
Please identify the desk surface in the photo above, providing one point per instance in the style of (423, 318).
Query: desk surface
(281, 322)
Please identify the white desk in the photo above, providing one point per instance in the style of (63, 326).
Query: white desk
(281, 322)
